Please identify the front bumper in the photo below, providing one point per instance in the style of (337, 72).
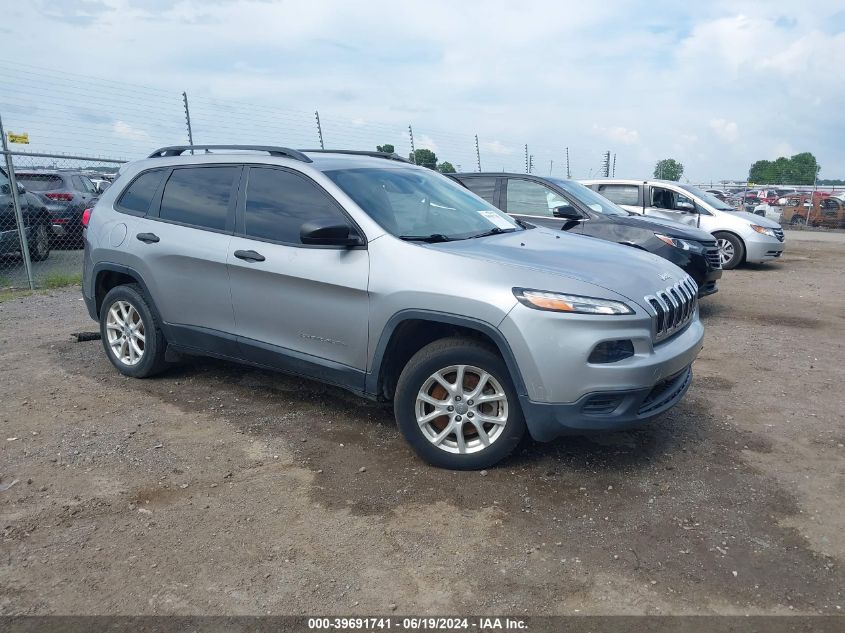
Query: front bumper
(763, 250)
(605, 411)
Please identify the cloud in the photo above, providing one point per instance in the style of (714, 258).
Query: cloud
(496, 147)
(124, 130)
(423, 141)
(725, 130)
(617, 134)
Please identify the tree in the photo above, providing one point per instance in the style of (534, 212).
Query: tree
(446, 167)
(668, 169)
(800, 169)
(424, 157)
(387, 147)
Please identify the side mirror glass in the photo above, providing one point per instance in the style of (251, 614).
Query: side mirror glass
(567, 212)
(5, 189)
(328, 232)
(686, 207)
(101, 187)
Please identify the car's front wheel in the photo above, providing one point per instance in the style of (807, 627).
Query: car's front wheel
(130, 332)
(731, 250)
(456, 405)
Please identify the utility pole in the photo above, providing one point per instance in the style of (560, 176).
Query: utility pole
(319, 129)
(605, 164)
(551, 165)
(531, 164)
(526, 159)
(188, 119)
(413, 151)
(614, 164)
(568, 174)
(477, 153)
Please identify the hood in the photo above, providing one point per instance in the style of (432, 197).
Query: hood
(626, 271)
(759, 220)
(666, 227)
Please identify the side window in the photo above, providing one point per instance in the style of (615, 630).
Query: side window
(89, 186)
(278, 203)
(621, 194)
(199, 196)
(139, 195)
(482, 187)
(664, 198)
(4, 182)
(531, 198)
(77, 184)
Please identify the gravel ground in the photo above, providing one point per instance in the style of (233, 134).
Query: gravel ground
(219, 489)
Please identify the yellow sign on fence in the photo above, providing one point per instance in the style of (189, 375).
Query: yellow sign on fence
(19, 138)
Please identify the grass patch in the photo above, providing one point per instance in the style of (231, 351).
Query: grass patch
(10, 293)
(60, 280)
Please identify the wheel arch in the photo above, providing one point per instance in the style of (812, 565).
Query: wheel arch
(107, 275)
(409, 331)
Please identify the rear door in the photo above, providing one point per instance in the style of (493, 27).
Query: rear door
(180, 248)
(629, 197)
(298, 307)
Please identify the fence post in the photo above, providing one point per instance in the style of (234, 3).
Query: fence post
(319, 129)
(188, 119)
(413, 151)
(13, 185)
(526, 158)
(568, 175)
(477, 153)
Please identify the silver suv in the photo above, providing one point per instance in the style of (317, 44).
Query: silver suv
(364, 271)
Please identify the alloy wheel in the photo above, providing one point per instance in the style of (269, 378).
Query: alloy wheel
(125, 331)
(462, 409)
(726, 250)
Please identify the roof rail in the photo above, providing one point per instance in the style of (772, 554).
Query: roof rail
(177, 150)
(356, 152)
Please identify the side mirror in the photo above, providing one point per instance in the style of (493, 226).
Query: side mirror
(328, 232)
(5, 189)
(686, 207)
(21, 189)
(102, 186)
(567, 212)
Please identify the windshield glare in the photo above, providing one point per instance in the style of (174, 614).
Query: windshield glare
(419, 202)
(583, 194)
(709, 198)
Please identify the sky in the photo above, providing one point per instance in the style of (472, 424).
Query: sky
(715, 85)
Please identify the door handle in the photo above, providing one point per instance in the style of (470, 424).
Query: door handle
(249, 256)
(148, 238)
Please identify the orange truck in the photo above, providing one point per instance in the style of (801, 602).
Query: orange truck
(806, 209)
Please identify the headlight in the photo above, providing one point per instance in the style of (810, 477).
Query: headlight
(764, 230)
(556, 302)
(684, 245)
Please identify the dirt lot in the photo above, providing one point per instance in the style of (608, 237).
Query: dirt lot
(222, 489)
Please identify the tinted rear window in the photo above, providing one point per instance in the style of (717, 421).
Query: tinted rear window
(139, 194)
(621, 194)
(199, 196)
(40, 182)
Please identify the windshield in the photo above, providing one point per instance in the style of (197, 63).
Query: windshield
(587, 196)
(410, 202)
(709, 198)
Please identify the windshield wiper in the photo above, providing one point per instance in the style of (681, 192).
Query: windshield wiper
(434, 237)
(494, 231)
(524, 224)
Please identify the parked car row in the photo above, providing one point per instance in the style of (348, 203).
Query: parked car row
(481, 306)
(36, 219)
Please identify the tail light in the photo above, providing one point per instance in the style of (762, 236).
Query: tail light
(66, 197)
(86, 217)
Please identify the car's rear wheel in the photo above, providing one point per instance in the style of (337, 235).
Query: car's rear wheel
(731, 250)
(39, 248)
(798, 220)
(456, 405)
(130, 332)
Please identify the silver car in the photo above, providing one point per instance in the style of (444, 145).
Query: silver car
(742, 237)
(364, 271)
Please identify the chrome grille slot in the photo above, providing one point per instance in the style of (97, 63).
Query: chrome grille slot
(779, 234)
(712, 255)
(673, 308)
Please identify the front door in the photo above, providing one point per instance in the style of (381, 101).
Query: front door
(669, 204)
(298, 307)
(536, 203)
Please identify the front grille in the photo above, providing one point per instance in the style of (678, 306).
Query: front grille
(779, 234)
(712, 255)
(673, 308)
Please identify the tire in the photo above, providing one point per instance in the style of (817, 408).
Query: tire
(123, 309)
(39, 247)
(463, 448)
(731, 250)
(797, 220)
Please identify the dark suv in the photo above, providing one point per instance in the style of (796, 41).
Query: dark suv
(66, 194)
(570, 206)
(35, 217)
